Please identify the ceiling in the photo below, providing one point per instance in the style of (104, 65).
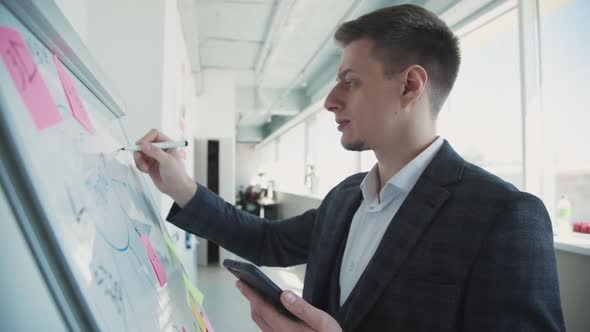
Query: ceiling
(228, 28)
(286, 46)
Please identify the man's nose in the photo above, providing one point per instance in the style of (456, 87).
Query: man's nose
(332, 102)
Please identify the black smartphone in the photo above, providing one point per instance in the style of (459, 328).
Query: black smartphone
(257, 280)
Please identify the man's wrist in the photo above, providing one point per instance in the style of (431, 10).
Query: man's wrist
(186, 193)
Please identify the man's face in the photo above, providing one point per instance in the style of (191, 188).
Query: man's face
(365, 103)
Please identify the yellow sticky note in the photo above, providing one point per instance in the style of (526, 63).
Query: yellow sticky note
(172, 249)
(199, 318)
(194, 291)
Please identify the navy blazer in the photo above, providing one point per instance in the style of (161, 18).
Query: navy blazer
(465, 252)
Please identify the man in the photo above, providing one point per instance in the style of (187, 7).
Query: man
(425, 241)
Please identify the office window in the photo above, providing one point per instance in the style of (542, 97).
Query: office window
(565, 46)
(482, 117)
(291, 160)
(331, 162)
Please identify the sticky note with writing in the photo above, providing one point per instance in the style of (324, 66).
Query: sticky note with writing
(27, 79)
(76, 104)
(159, 269)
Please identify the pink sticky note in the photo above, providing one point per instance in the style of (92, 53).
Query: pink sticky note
(155, 260)
(183, 329)
(182, 125)
(182, 153)
(76, 104)
(27, 79)
(207, 322)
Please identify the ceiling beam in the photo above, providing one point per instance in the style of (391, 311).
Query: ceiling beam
(280, 14)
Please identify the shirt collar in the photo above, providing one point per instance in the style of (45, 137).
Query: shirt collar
(402, 181)
(370, 185)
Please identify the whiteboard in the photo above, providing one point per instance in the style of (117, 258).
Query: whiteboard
(94, 208)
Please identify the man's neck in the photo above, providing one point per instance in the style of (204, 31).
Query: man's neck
(392, 160)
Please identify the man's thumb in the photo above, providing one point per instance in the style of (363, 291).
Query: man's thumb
(313, 317)
(154, 152)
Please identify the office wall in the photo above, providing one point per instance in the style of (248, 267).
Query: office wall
(215, 115)
(574, 270)
(246, 164)
(130, 49)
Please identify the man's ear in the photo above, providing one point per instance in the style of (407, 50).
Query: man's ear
(414, 80)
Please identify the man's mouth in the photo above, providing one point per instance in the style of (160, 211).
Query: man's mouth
(342, 124)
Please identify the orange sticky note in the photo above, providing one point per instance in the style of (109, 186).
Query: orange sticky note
(198, 317)
(27, 79)
(76, 104)
(159, 269)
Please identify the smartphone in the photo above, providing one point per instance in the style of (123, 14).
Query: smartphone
(257, 280)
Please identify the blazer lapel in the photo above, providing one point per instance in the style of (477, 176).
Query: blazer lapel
(402, 235)
(339, 222)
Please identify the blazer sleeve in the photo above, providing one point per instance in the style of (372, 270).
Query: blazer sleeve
(264, 243)
(513, 284)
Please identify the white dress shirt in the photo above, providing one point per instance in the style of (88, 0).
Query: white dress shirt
(372, 218)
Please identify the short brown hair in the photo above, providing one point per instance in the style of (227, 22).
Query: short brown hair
(406, 35)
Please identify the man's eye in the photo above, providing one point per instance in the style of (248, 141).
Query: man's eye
(349, 84)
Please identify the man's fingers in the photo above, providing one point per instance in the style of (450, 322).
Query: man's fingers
(144, 159)
(316, 319)
(250, 294)
(141, 161)
(263, 308)
(150, 162)
(297, 306)
(154, 152)
(153, 135)
(262, 324)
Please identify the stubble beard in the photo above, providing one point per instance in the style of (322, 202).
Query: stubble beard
(355, 146)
